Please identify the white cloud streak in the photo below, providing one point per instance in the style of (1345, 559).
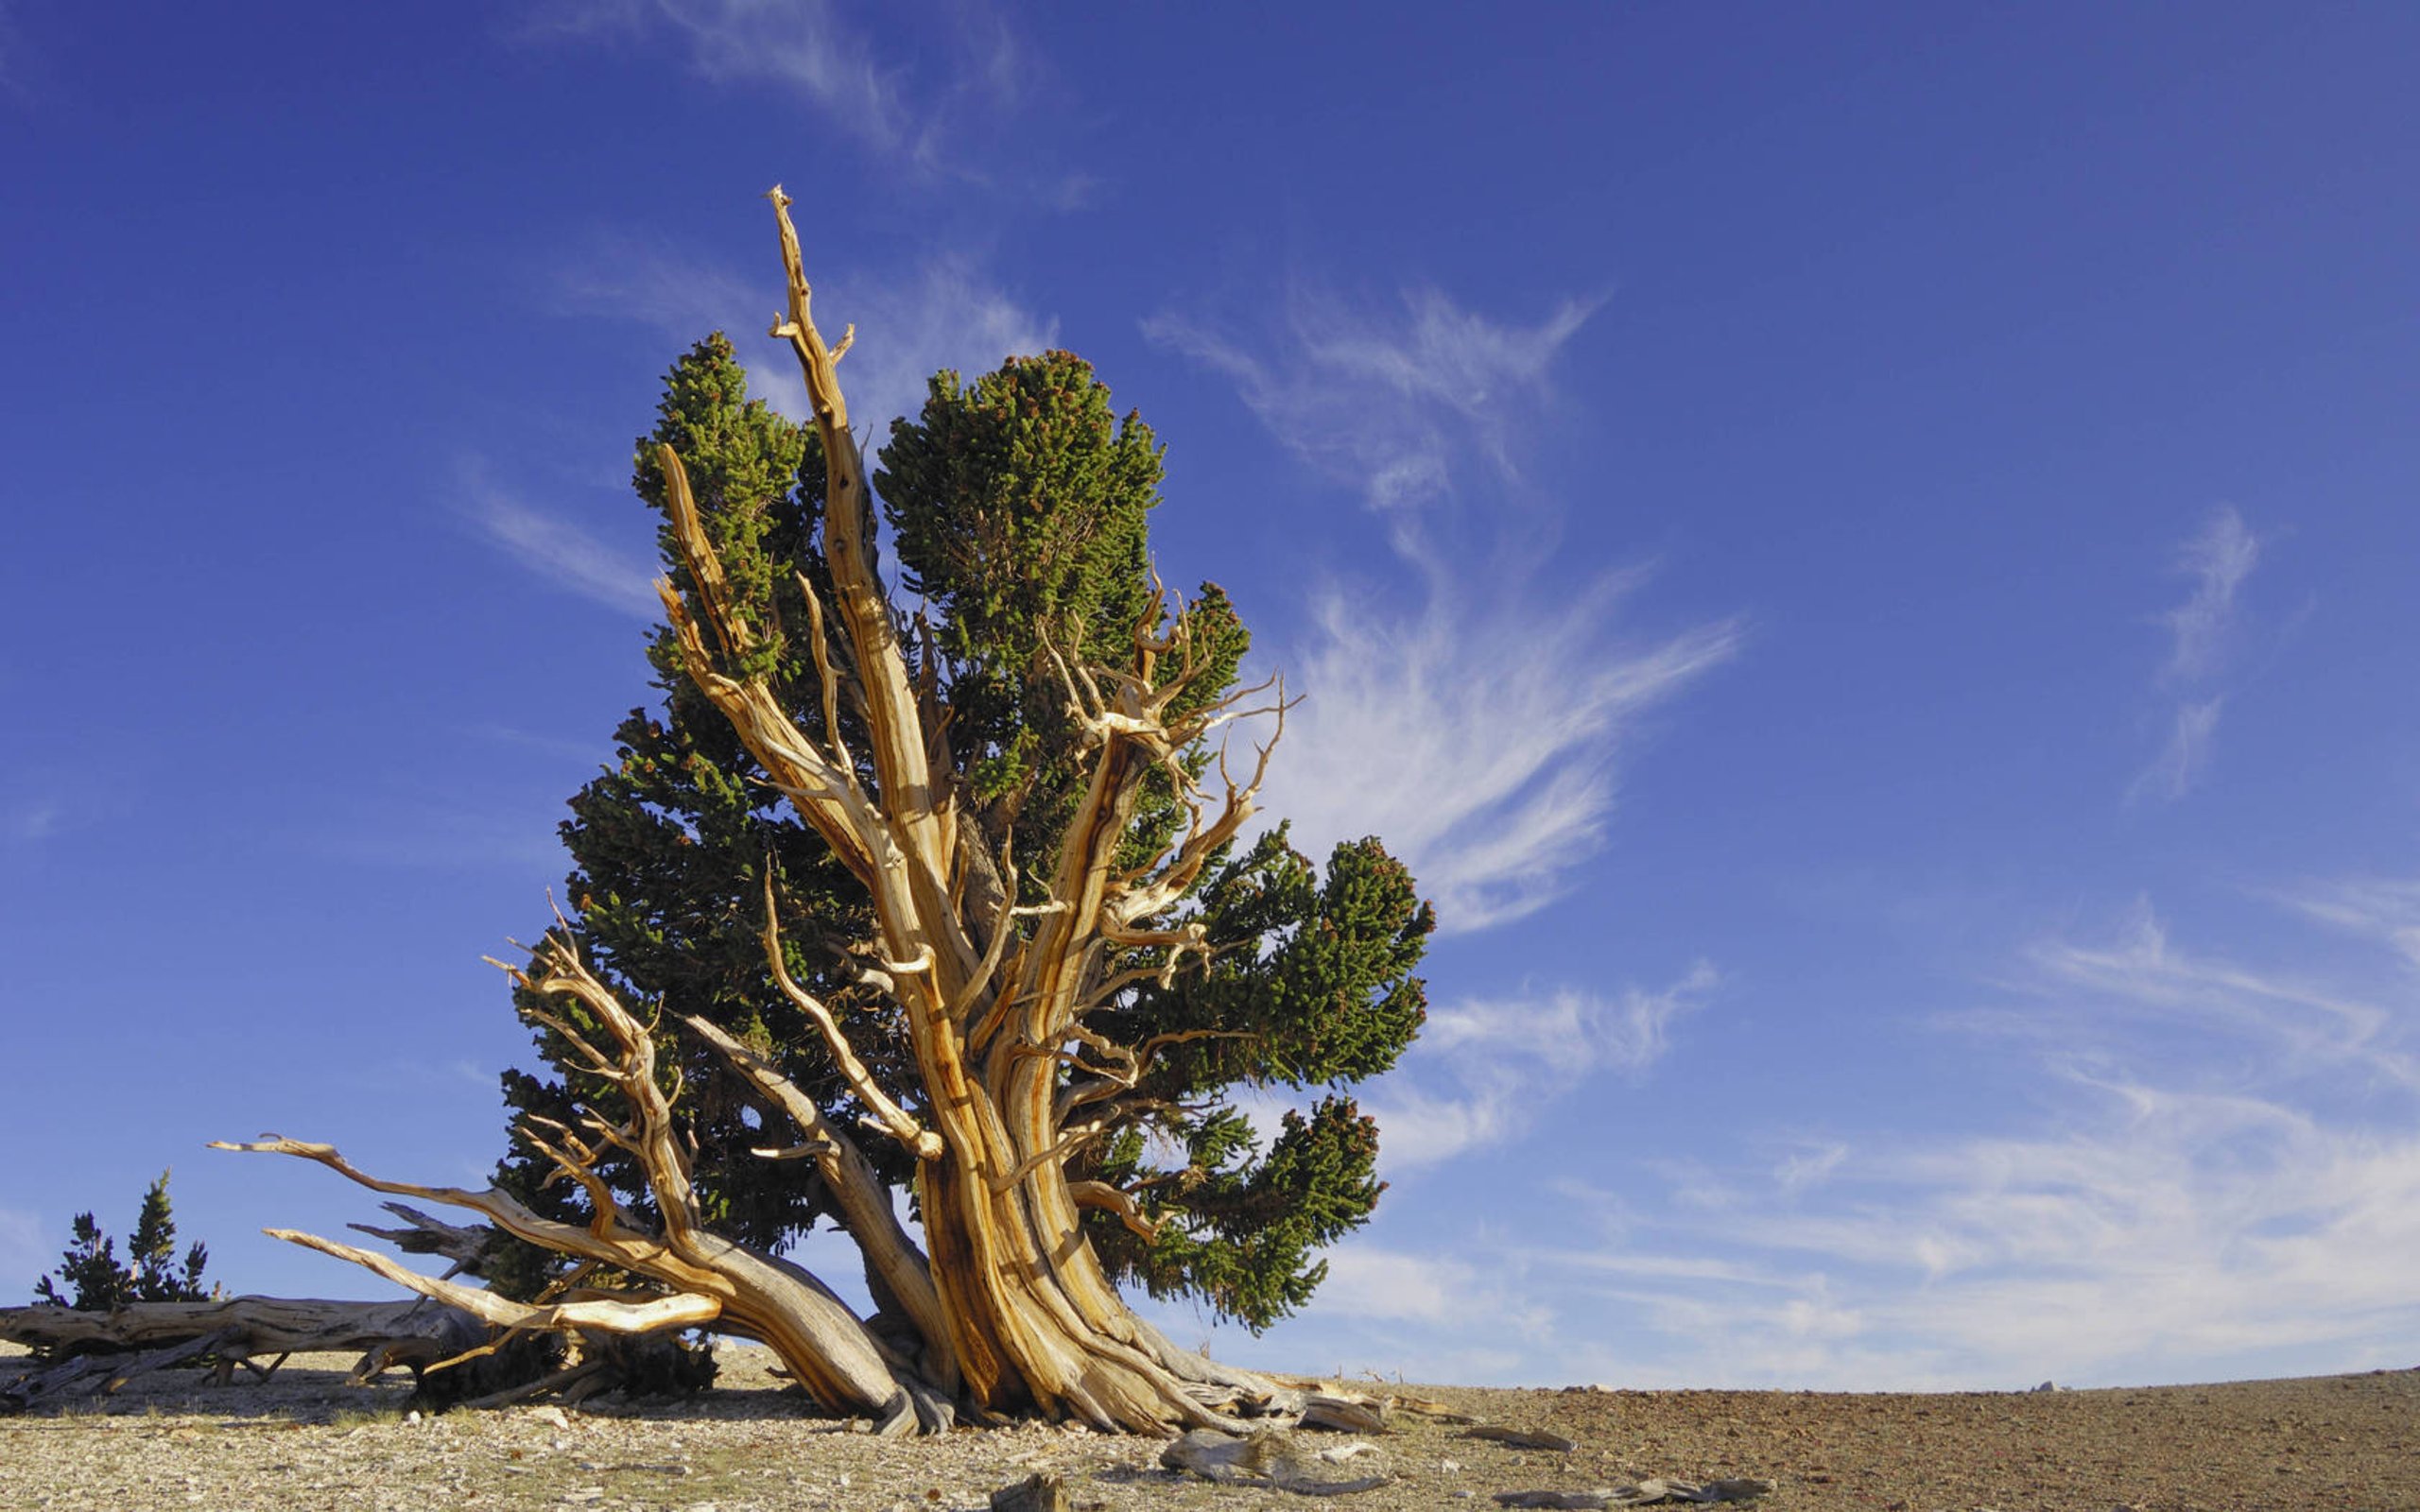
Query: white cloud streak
(942, 312)
(1365, 1281)
(2224, 1181)
(1474, 723)
(2179, 766)
(2386, 911)
(2142, 975)
(1484, 1071)
(809, 49)
(2216, 560)
(565, 554)
(803, 45)
(2165, 1235)
(1383, 403)
(1478, 738)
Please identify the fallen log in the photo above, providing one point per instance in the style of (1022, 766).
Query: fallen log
(456, 1357)
(88, 1375)
(84, 1353)
(253, 1326)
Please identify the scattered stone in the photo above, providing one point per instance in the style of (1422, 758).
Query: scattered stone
(1646, 1493)
(1522, 1439)
(1271, 1457)
(551, 1416)
(1345, 1415)
(1039, 1492)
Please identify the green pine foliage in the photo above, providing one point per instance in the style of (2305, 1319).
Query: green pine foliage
(1018, 507)
(92, 1279)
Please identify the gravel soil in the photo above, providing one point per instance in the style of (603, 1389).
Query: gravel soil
(305, 1439)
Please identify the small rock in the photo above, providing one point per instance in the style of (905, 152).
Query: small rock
(1521, 1438)
(551, 1416)
(1267, 1458)
(1646, 1493)
(1039, 1492)
(1350, 1414)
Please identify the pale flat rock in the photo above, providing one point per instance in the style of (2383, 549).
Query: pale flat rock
(1270, 1458)
(1650, 1493)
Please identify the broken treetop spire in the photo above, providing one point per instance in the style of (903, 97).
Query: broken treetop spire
(952, 899)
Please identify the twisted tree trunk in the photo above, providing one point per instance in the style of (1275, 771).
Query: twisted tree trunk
(1008, 1300)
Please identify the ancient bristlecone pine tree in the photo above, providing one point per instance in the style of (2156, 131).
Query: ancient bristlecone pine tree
(947, 902)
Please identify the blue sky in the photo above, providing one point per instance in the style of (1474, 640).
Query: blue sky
(1864, 556)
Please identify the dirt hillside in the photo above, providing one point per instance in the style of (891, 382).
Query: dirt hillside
(305, 1441)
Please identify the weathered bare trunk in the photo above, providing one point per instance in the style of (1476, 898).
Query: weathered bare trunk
(252, 1326)
(105, 1349)
(1012, 1308)
(995, 1015)
(702, 1279)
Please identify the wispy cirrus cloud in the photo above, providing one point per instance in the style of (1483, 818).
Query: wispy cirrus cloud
(1479, 733)
(2221, 1179)
(943, 312)
(2216, 560)
(566, 554)
(1475, 721)
(2384, 910)
(1485, 1071)
(1385, 401)
(901, 105)
(2153, 1235)
(2141, 976)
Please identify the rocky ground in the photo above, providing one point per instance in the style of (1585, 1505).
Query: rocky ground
(305, 1439)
